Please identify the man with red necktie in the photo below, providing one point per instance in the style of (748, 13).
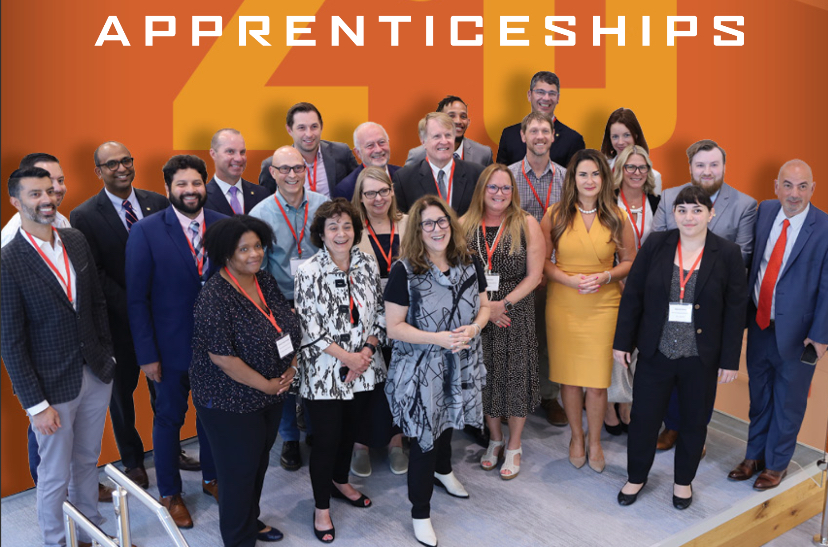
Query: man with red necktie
(788, 325)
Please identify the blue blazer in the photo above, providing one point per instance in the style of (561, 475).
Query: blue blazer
(162, 286)
(802, 287)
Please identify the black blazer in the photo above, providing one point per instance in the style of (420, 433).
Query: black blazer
(216, 201)
(107, 236)
(338, 159)
(567, 141)
(417, 180)
(44, 341)
(719, 301)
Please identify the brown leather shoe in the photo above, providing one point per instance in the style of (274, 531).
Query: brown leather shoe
(769, 478)
(178, 511)
(104, 493)
(187, 463)
(746, 470)
(555, 414)
(667, 439)
(138, 475)
(86, 544)
(210, 488)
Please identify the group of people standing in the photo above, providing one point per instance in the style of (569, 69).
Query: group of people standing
(378, 302)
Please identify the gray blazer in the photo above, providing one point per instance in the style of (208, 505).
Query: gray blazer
(472, 151)
(735, 216)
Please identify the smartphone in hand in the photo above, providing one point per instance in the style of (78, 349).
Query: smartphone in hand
(809, 356)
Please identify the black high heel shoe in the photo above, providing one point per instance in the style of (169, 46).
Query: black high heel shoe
(363, 502)
(683, 503)
(618, 428)
(629, 499)
(320, 534)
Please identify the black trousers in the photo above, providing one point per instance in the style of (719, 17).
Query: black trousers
(655, 378)
(241, 446)
(122, 406)
(335, 424)
(421, 469)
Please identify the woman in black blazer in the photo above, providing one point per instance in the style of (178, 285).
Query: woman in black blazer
(686, 342)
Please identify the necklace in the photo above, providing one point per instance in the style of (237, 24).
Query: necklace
(587, 212)
(636, 210)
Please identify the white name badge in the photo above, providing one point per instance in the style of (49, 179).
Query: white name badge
(680, 312)
(295, 263)
(383, 283)
(285, 346)
(492, 282)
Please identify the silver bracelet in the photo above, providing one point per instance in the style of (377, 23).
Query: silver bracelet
(610, 277)
(478, 328)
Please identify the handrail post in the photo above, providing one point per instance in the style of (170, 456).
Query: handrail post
(121, 506)
(71, 517)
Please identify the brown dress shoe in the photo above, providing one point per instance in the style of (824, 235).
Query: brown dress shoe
(138, 475)
(89, 544)
(667, 439)
(555, 414)
(104, 493)
(210, 488)
(187, 463)
(178, 511)
(768, 479)
(746, 470)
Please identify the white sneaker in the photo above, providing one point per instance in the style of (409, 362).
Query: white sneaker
(424, 532)
(451, 484)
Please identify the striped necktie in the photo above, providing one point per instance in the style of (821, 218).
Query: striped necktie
(195, 237)
(129, 214)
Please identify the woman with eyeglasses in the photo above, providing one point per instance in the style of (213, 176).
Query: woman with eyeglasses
(511, 247)
(634, 182)
(385, 225)
(436, 308)
(623, 130)
(341, 311)
(583, 232)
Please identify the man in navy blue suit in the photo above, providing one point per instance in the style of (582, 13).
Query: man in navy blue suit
(789, 296)
(227, 192)
(374, 149)
(165, 269)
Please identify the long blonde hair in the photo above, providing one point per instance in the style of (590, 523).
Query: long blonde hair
(618, 174)
(514, 222)
(412, 246)
(378, 174)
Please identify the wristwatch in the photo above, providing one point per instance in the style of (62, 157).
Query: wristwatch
(370, 346)
(509, 306)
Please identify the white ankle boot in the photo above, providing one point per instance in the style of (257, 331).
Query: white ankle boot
(451, 484)
(424, 532)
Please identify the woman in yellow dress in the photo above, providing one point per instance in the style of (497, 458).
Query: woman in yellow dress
(584, 231)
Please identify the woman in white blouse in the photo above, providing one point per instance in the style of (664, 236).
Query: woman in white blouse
(342, 314)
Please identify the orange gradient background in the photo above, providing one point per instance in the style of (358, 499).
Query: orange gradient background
(764, 102)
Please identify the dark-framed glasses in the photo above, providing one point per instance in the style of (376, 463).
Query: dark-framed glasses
(372, 194)
(112, 165)
(631, 169)
(429, 225)
(285, 169)
(494, 189)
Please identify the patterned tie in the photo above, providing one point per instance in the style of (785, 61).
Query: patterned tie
(129, 214)
(763, 308)
(441, 184)
(195, 237)
(234, 201)
(457, 156)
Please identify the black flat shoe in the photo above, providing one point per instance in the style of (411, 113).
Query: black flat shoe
(271, 535)
(683, 503)
(629, 499)
(320, 534)
(363, 502)
(614, 430)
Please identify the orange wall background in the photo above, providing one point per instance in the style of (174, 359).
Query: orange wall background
(763, 102)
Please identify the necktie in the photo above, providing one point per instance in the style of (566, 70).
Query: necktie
(763, 308)
(457, 156)
(441, 184)
(234, 201)
(195, 237)
(129, 214)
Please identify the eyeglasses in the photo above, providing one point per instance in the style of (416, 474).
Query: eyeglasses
(372, 194)
(112, 165)
(631, 169)
(285, 169)
(429, 225)
(493, 189)
(544, 93)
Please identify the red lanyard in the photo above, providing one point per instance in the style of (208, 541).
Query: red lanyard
(387, 257)
(451, 178)
(683, 280)
(199, 259)
(312, 181)
(548, 191)
(268, 313)
(68, 281)
(490, 253)
(639, 233)
(301, 235)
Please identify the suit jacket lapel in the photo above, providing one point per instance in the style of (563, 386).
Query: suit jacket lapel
(665, 259)
(329, 162)
(463, 183)
(37, 265)
(711, 254)
(721, 205)
(427, 183)
(217, 199)
(804, 233)
(247, 190)
(180, 240)
(146, 207)
(110, 215)
(762, 232)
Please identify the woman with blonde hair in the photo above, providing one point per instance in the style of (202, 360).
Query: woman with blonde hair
(511, 247)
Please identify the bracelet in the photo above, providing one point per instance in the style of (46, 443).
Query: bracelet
(610, 278)
(370, 346)
(295, 369)
(478, 328)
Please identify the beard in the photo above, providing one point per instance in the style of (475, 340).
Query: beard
(178, 203)
(711, 189)
(36, 216)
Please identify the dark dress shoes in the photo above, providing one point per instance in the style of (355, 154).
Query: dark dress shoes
(629, 499)
(271, 535)
(178, 511)
(186, 463)
(291, 459)
(683, 503)
(667, 439)
(138, 475)
(768, 479)
(210, 488)
(104, 493)
(555, 414)
(746, 470)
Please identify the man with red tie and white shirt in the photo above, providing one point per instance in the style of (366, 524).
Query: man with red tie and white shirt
(789, 332)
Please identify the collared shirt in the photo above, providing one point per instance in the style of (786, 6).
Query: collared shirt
(225, 190)
(776, 230)
(447, 170)
(118, 203)
(553, 174)
(185, 221)
(277, 259)
(322, 186)
(55, 254)
(459, 150)
(13, 226)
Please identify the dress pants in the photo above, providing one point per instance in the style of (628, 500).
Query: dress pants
(69, 460)
(672, 419)
(778, 398)
(122, 406)
(241, 446)
(421, 469)
(654, 380)
(288, 428)
(336, 423)
(171, 405)
(34, 457)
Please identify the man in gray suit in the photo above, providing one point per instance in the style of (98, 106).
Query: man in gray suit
(327, 162)
(464, 148)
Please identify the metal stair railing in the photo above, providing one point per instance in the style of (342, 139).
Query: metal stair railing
(72, 518)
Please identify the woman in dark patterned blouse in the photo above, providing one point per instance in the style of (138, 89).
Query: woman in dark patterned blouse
(244, 360)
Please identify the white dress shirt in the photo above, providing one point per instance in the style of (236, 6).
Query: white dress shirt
(13, 226)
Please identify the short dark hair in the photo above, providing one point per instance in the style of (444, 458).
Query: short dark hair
(27, 173)
(535, 116)
(546, 77)
(222, 237)
(183, 161)
(301, 107)
(330, 209)
(29, 160)
(447, 101)
(692, 194)
(704, 145)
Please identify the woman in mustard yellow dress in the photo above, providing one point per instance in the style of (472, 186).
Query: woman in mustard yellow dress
(584, 231)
